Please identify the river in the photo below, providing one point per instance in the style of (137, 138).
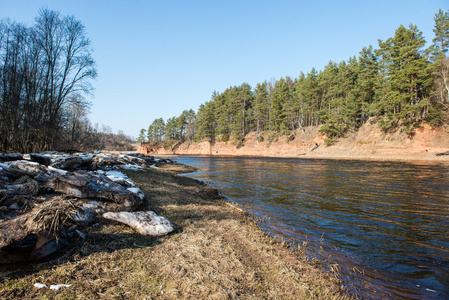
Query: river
(386, 224)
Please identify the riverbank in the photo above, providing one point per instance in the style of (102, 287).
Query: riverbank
(217, 252)
(367, 143)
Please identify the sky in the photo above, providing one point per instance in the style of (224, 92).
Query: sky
(158, 58)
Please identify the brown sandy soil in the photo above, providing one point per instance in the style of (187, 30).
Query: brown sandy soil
(367, 143)
(217, 252)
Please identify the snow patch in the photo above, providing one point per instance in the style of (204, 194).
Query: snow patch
(136, 191)
(58, 286)
(119, 177)
(131, 167)
(56, 170)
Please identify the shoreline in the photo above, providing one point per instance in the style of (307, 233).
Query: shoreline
(217, 252)
(409, 158)
(367, 143)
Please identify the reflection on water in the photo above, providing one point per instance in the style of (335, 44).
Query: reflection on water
(386, 224)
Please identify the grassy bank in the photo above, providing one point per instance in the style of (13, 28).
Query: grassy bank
(217, 252)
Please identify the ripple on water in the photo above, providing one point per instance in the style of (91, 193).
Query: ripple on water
(385, 224)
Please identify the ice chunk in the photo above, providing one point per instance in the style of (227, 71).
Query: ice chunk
(40, 285)
(58, 286)
(144, 222)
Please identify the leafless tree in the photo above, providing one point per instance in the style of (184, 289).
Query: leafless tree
(42, 69)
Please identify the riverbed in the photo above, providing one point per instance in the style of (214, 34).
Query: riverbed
(386, 224)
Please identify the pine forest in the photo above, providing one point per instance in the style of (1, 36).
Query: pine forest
(401, 82)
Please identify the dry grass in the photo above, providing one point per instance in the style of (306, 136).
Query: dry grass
(218, 252)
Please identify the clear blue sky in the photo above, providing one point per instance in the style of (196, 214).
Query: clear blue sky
(158, 58)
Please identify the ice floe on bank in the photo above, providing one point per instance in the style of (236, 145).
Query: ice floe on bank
(45, 196)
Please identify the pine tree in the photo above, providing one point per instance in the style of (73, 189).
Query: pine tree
(171, 129)
(261, 107)
(366, 81)
(298, 98)
(280, 95)
(205, 125)
(312, 98)
(441, 30)
(408, 74)
(440, 50)
(141, 138)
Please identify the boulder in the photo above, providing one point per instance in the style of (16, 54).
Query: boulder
(26, 167)
(102, 160)
(133, 160)
(82, 184)
(43, 197)
(10, 156)
(23, 186)
(41, 158)
(67, 163)
(6, 172)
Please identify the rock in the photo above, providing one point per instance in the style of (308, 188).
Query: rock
(35, 222)
(133, 160)
(137, 192)
(25, 245)
(41, 158)
(23, 186)
(6, 172)
(149, 159)
(119, 177)
(39, 232)
(102, 160)
(130, 167)
(144, 222)
(84, 216)
(10, 156)
(81, 234)
(67, 163)
(90, 185)
(26, 167)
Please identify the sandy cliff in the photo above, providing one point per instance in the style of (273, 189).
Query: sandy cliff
(369, 142)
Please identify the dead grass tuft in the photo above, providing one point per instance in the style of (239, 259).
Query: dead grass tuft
(52, 214)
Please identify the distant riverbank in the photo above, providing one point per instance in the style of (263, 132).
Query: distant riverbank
(367, 143)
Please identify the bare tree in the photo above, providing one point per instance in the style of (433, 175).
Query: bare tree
(67, 63)
(42, 69)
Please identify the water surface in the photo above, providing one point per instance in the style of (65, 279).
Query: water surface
(384, 223)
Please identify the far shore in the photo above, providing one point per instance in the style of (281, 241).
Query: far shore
(367, 143)
(340, 155)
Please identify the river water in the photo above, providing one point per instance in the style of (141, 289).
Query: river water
(386, 224)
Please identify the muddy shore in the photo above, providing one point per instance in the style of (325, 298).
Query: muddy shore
(217, 252)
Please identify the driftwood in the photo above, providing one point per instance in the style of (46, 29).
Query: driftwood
(43, 197)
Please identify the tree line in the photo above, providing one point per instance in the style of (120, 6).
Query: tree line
(401, 82)
(45, 69)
